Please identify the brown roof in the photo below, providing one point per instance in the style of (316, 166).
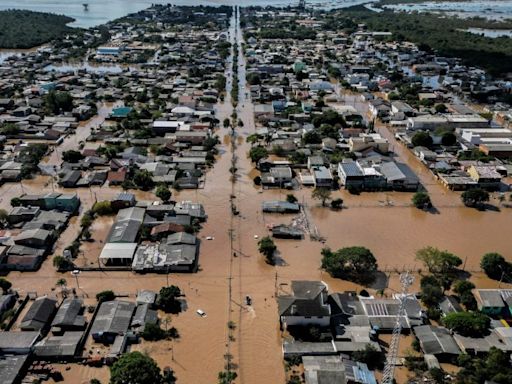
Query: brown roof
(166, 227)
(89, 152)
(119, 176)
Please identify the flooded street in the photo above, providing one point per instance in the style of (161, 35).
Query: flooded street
(230, 266)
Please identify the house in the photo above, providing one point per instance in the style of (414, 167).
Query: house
(39, 315)
(399, 176)
(17, 343)
(336, 369)
(323, 177)
(307, 305)
(69, 317)
(113, 319)
(280, 207)
(59, 347)
(449, 304)
(350, 174)
(37, 238)
(437, 341)
(178, 253)
(143, 315)
(487, 177)
(491, 301)
(22, 214)
(126, 226)
(123, 200)
(117, 177)
(70, 179)
(14, 368)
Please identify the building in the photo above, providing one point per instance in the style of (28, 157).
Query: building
(13, 368)
(59, 347)
(493, 302)
(39, 315)
(126, 226)
(113, 319)
(17, 343)
(280, 207)
(437, 341)
(335, 369)
(69, 317)
(487, 177)
(120, 254)
(307, 305)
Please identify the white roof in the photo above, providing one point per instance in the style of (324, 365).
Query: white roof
(118, 251)
(167, 124)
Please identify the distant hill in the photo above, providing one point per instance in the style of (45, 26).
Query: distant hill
(27, 29)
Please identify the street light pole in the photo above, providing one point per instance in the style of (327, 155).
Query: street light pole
(75, 273)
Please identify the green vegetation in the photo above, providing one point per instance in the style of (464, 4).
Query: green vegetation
(322, 194)
(422, 139)
(267, 248)
(5, 284)
(421, 200)
(495, 368)
(168, 299)
(9, 129)
(135, 368)
(62, 264)
(463, 289)
(431, 291)
(496, 267)
(102, 208)
(473, 324)
(72, 156)
(291, 198)
(57, 102)
(105, 296)
(474, 197)
(257, 153)
(153, 332)
(437, 261)
(352, 263)
(27, 29)
(370, 356)
(163, 192)
(31, 156)
(295, 33)
(337, 203)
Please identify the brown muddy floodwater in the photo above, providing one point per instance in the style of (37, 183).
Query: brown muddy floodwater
(383, 222)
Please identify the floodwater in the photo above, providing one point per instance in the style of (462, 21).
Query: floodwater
(383, 222)
(493, 9)
(493, 33)
(100, 11)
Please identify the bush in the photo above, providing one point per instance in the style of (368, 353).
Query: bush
(370, 356)
(168, 299)
(105, 296)
(267, 248)
(421, 200)
(337, 203)
(5, 284)
(352, 263)
(102, 208)
(494, 265)
(163, 192)
(291, 198)
(153, 332)
(422, 139)
(474, 197)
(472, 324)
(62, 264)
(257, 153)
(135, 368)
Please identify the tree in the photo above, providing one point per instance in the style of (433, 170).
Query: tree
(463, 289)
(102, 208)
(472, 324)
(448, 139)
(227, 377)
(440, 108)
(322, 194)
(474, 197)
(168, 299)
(291, 198)
(62, 264)
(143, 179)
(15, 202)
(62, 283)
(72, 156)
(352, 263)
(337, 203)
(163, 192)
(312, 137)
(421, 200)
(3, 215)
(94, 381)
(107, 295)
(494, 265)
(5, 284)
(9, 129)
(370, 356)
(153, 332)
(267, 248)
(438, 261)
(56, 102)
(431, 291)
(257, 153)
(225, 123)
(135, 368)
(422, 139)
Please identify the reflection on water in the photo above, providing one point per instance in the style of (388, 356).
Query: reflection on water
(497, 9)
(493, 33)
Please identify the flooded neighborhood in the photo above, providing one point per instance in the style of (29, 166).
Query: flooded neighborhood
(201, 194)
